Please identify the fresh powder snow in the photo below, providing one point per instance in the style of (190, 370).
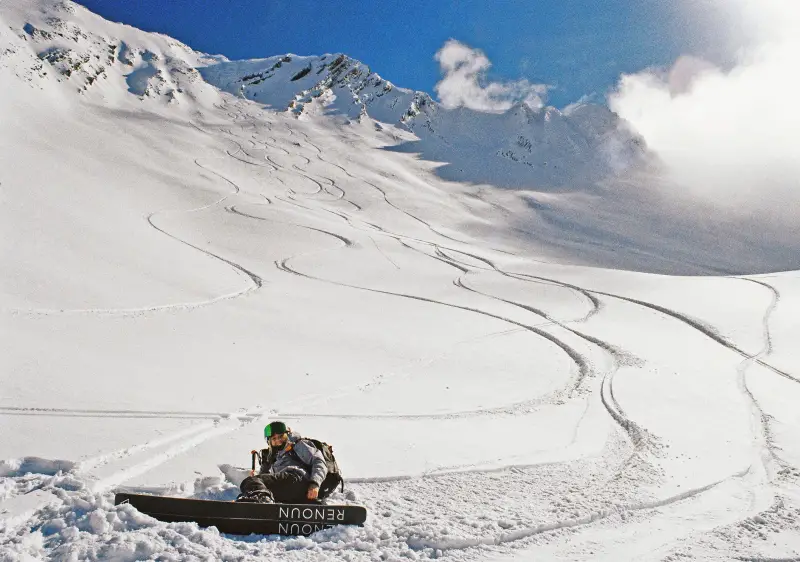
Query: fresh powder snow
(518, 352)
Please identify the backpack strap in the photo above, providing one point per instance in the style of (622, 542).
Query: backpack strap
(291, 452)
(268, 456)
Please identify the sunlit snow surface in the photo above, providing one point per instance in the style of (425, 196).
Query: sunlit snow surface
(179, 269)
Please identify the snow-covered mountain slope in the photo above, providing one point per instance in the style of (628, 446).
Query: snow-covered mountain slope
(61, 45)
(180, 268)
(583, 187)
(62, 42)
(542, 147)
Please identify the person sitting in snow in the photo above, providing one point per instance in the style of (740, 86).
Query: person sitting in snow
(292, 472)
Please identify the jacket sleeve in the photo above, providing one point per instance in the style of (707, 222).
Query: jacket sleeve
(313, 457)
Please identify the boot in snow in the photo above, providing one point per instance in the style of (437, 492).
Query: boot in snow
(255, 497)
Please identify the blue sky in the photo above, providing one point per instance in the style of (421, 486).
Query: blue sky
(577, 46)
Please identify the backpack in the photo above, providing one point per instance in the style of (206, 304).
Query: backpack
(334, 476)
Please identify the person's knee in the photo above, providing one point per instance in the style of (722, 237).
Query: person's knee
(291, 476)
(251, 482)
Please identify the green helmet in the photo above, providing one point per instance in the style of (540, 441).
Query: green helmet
(274, 428)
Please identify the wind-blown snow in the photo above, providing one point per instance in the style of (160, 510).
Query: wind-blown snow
(182, 264)
(729, 135)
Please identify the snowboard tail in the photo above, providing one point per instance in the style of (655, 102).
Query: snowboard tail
(246, 518)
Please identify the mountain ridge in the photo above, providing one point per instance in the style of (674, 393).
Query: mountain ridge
(104, 60)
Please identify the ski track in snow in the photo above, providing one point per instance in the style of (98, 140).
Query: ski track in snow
(637, 435)
(635, 432)
(762, 420)
(773, 467)
(90, 413)
(256, 282)
(584, 368)
(702, 328)
(187, 443)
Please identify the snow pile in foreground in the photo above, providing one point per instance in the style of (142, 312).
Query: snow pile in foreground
(87, 526)
(80, 524)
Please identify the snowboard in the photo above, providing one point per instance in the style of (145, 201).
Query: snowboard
(247, 518)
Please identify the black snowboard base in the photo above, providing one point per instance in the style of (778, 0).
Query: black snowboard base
(247, 518)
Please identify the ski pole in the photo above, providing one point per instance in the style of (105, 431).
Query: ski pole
(255, 456)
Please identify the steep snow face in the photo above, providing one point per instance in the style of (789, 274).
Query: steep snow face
(523, 147)
(59, 45)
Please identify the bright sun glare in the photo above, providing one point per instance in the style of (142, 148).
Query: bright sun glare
(727, 134)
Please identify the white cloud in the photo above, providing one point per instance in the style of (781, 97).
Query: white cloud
(731, 135)
(464, 82)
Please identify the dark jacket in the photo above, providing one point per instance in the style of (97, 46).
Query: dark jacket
(300, 456)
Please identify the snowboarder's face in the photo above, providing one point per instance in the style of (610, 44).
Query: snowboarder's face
(278, 439)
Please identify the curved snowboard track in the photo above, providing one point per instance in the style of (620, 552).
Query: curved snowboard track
(584, 368)
(255, 281)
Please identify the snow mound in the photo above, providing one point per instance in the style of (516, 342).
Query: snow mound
(35, 465)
